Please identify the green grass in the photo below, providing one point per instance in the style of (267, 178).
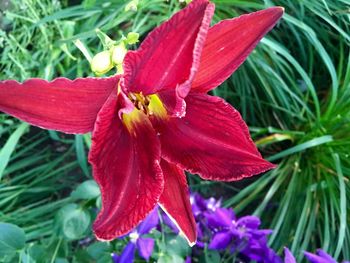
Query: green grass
(293, 91)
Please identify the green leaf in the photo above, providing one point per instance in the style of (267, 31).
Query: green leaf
(107, 42)
(176, 245)
(87, 190)
(81, 154)
(302, 147)
(61, 260)
(98, 250)
(36, 252)
(166, 258)
(25, 257)
(12, 239)
(89, 3)
(72, 221)
(343, 205)
(84, 49)
(212, 256)
(9, 147)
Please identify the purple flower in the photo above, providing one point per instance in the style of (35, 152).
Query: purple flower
(288, 256)
(144, 245)
(320, 257)
(238, 235)
(188, 259)
(167, 221)
(230, 231)
(200, 205)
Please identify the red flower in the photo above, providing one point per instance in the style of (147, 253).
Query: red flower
(156, 120)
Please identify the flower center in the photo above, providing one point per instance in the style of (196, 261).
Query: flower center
(149, 105)
(134, 236)
(141, 102)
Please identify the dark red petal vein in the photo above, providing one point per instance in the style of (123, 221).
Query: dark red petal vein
(229, 43)
(126, 167)
(62, 104)
(175, 200)
(211, 140)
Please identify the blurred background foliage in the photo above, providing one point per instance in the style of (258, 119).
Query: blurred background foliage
(293, 91)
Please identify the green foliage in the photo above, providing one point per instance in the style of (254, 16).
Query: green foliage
(72, 222)
(294, 92)
(12, 239)
(86, 190)
(296, 88)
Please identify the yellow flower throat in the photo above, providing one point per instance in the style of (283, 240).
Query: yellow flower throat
(149, 105)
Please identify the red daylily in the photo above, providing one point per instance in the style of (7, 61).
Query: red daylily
(156, 120)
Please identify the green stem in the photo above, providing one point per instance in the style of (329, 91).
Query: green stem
(56, 250)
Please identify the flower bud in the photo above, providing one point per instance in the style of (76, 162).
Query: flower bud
(132, 38)
(132, 6)
(101, 63)
(118, 54)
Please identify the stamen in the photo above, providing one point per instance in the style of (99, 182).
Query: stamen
(149, 104)
(132, 96)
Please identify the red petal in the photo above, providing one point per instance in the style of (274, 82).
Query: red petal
(175, 200)
(170, 55)
(211, 140)
(126, 167)
(62, 104)
(229, 43)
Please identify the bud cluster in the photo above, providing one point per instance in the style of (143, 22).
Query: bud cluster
(114, 53)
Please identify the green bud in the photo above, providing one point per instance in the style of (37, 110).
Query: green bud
(118, 54)
(132, 38)
(101, 63)
(132, 6)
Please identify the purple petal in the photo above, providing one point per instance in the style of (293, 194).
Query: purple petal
(199, 231)
(261, 253)
(149, 223)
(115, 257)
(271, 256)
(221, 218)
(259, 233)
(317, 259)
(198, 204)
(252, 222)
(212, 204)
(128, 254)
(145, 247)
(188, 259)
(326, 256)
(239, 233)
(288, 256)
(220, 240)
(258, 250)
(167, 221)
